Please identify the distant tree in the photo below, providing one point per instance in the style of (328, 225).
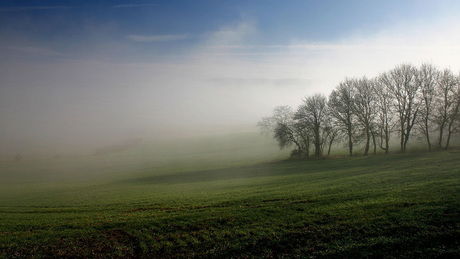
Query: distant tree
(454, 122)
(312, 115)
(285, 136)
(402, 85)
(427, 78)
(304, 136)
(286, 131)
(341, 111)
(419, 102)
(332, 134)
(365, 110)
(281, 114)
(447, 108)
(384, 120)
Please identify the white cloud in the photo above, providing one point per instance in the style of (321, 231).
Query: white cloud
(325, 64)
(234, 35)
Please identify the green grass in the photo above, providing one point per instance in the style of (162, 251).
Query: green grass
(393, 206)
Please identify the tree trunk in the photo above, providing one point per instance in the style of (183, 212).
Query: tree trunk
(405, 143)
(387, 140)
(441, 133)
(402, 140)
(368, 139)
(448, 140)
(387, 145)
(427, 134)
(375, 144)
(350, 150)
(350, 144)
(317, 144)
(382, 132)
(330, 145)
(449, 134)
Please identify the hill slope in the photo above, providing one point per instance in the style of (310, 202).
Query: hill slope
(392, 206)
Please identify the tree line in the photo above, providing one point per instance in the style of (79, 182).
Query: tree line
(406, 102)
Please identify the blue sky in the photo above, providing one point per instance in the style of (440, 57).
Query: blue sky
(73, 72)
(136, 30)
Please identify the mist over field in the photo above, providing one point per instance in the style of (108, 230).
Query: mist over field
(73, 80)
(229, 129)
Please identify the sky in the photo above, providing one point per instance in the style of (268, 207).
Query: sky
(77, 74)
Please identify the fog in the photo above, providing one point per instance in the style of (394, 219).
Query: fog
(70, 102)
(75, 104)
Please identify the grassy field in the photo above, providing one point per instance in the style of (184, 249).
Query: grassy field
(204, 205)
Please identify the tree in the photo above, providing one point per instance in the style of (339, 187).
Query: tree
(332, 134)
(286, 132)
(281, 114)
(423, 102)
(447, 108)
(312, 116)
(405, 91)
(454, 118)
(341, 110)
(426, 78)
(364, 108)
(384, 118)
(280, 124)
(304, 136)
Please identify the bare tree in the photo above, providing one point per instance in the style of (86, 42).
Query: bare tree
(281, 114)
(447, 108)
(341, 110)
(426, 78)
(312, 115)
(280, 124)
(384, 121)
(332, 134)
(364, 108)
(285, 135)
(402, 85)
(454, 114)
(286, 131)
(411, 101)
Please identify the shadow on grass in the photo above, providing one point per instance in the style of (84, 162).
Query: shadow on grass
(210, 175)
(286, 168)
